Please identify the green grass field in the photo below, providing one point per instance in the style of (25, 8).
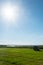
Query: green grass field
(20, 56)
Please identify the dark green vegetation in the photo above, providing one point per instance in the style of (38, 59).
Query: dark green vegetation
(36, 48)
(20, 56)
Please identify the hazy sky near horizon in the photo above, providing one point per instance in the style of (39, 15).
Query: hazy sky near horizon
(27, 26)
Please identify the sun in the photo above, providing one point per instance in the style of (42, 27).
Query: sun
(9, 13)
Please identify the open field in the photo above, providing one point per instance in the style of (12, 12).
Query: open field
(20, 56)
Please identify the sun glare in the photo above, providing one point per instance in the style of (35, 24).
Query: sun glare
(9, 13)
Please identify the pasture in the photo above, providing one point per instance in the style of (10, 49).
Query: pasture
(20, 56)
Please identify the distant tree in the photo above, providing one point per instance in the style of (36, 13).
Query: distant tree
(2, 46)
(41, 47)
(36, 48)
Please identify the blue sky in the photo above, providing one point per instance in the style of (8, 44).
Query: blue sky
(29, 27)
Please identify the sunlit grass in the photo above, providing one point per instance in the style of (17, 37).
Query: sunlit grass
(20, 56)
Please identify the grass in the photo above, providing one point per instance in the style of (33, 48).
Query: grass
(20, 56)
